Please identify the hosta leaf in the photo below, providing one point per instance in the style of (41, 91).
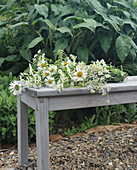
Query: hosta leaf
(11, 57)
(42, 9)
(18, 24)
(57, 9)
(51, 26)
(132, 24)
(83, 53)
(26, 54)
(1, 61)
(35, 42)
(123, 46)
(66, 10)
(65, 30)
(124, 3)
(105, 40)
(89, 23)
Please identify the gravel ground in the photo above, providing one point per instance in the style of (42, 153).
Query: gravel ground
(109, 150)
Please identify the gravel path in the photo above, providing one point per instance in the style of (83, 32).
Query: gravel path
(109, 150)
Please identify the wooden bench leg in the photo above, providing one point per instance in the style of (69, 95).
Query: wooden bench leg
(22, 110)
(42, 134)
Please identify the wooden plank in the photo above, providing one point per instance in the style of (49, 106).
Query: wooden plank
(22, 132)
(28, 100)
(42, 134)
(90, 100)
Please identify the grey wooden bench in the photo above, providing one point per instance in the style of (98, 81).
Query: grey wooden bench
(48, 99)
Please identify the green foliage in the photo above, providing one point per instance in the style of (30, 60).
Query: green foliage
(116, 114)
(91, 29)
(69, 132)
(8, 114)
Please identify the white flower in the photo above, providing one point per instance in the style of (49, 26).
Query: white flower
(39, 51)
(30, 69)
(50, 82)
(53, 69)
(80, 73)
(41, 64)
(15, 87)
(65, 63)
(46, 73)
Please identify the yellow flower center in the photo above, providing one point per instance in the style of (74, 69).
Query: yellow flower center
(79, 74)
(65, 63)
(46, 74)
(17, 87)
(51, 69)
(42, 64)
(75, 70)
(50, 81)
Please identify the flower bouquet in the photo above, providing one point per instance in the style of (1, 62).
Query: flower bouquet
(64, 72)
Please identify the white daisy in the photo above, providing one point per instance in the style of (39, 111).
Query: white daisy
(15, 87)
(53, 69)
(46, 73)
(65, 63)
(41, 64)
(50, 82)
(80, 73)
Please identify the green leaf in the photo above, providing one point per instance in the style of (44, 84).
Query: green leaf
(83, 53)
(67, 9)
(51, 26)
(61, 44)
(122, 47)
(57, 9)
(35, 42)
(18, 24)
(1, 61)
(26, 54)
(42, 9)
(89, 23)
(132, 24)
(65, 30)
(11, 57)
(124, 3)
(2, 32)
(105, 40)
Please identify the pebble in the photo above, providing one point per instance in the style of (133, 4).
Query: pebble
(100, 151)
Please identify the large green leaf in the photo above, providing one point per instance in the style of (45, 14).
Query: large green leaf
(132, 24)
(35, 42)
(2, 32)
(65, 30)
(89, 23)
(98, 8)
(123, 46)
(18, 24)
(42, 9)
(1, 61)
(124, 3)
(67, 9)
(51, 26)
(56, 8)
(26, 54)
(11, 57)
(105, 40)
(83, 53)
